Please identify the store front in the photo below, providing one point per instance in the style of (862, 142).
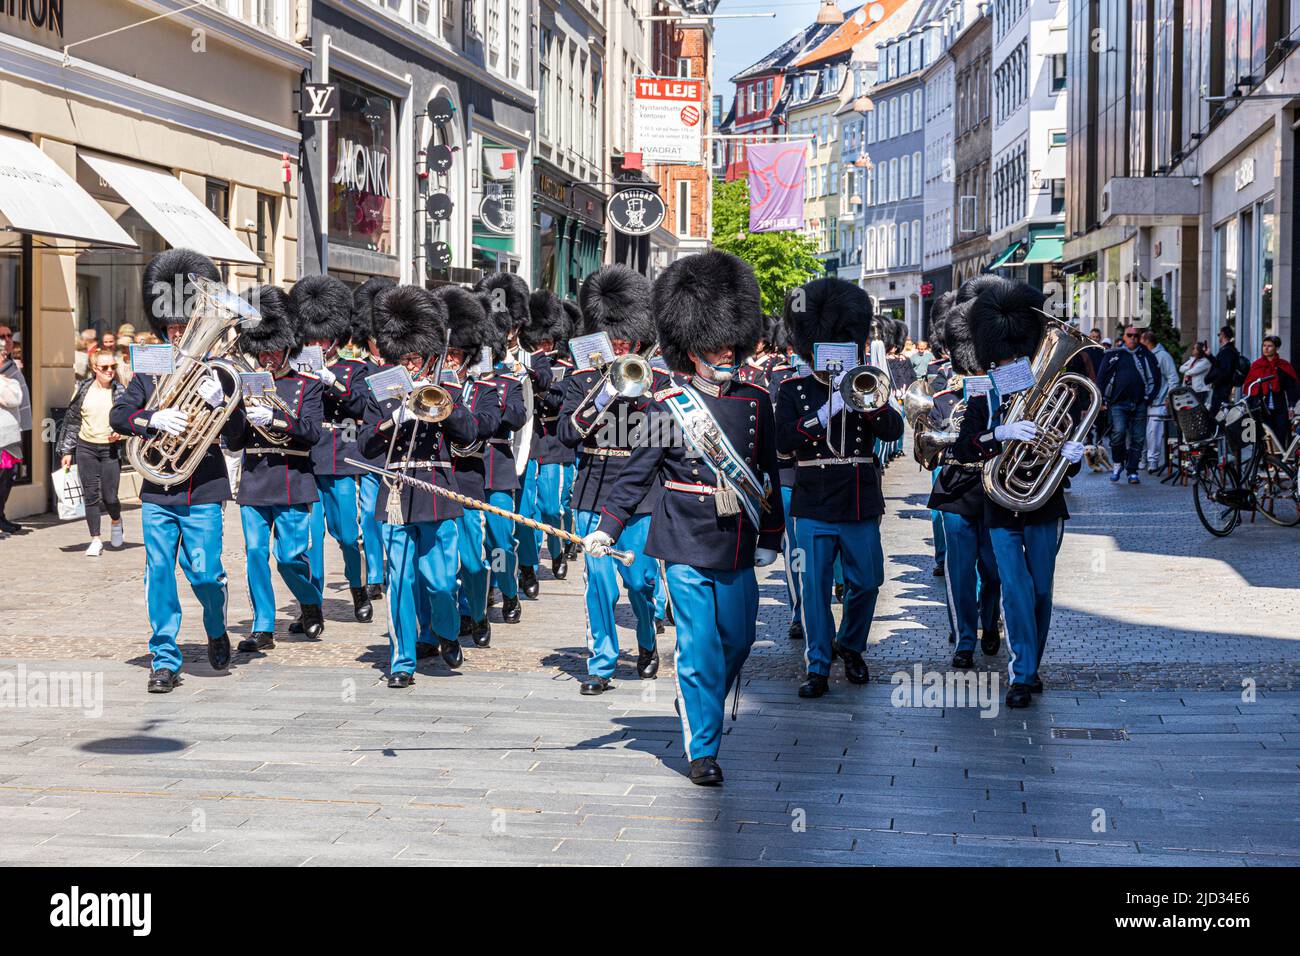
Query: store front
(107, 158)
(1244, 247)
(568, 232)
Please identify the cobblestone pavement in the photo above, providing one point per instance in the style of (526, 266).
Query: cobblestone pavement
(303, 756)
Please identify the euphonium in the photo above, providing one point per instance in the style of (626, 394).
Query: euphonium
(205, 349)
(929, 440)
(1025, 474)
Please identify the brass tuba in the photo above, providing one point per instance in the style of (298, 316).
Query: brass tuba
(1025, 474)
(206, 348)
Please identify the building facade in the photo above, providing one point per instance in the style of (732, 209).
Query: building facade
(108, 157)
(436, 113)
(812, 102)
(972, 54)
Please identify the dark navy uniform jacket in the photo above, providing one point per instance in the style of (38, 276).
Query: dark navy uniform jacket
(686, 527)
(275, 475)
(603, 440)
(778, 376)
(827, 487)
(421, 450)
(543, 377)
(976, 444)
(550, 449)
(210, 481)
(491, 402)
(361, 387)
(345, 404)
(959, 487)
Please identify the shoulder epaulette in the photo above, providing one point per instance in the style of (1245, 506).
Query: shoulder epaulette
(667, 393)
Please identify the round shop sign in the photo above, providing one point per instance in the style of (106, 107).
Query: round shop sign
(690, 115)
(441, 110)
(635, 211)
(497, 212)
(440, 255)
(439, 158)
(438, 206)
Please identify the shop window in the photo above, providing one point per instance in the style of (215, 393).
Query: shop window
(15, 316)
(360, 161)
(267, 210)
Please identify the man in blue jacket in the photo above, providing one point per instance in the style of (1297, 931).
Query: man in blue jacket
(1129, 380)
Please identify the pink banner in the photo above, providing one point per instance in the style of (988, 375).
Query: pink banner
(776, 183)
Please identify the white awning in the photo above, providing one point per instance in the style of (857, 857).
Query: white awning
(38, 197)
(175, 213)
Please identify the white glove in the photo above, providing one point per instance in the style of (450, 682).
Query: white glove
(605, 396)
(169, 420)
(1023, 430)
(402, 414)
(764, 556)
(210, 391)
(257, 415)
(327, 377)
(1072, 451)
(831, 408)
(597, 544)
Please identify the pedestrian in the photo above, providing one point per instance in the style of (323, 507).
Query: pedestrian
(1157, 413)
(15, 418)
(1195, 369)
(88, 439)
(1227, 371)
(108, 341)
(922, 358)
(1271, 382)
(86, 343)
(1129, 380)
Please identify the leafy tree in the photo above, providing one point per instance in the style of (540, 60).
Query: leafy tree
(1162, 324)
(781, 260)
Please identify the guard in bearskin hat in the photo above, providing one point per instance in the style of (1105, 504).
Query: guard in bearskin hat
(484, 468)
(562, 366)
(599, 423)
(363, 349)
(963, 549)
(785, 367)
(837, 500)
(277, 489)
(1002, 324)
(542, 497)
(186, 517)
(324, 308)
(712, 451)
(417, 526)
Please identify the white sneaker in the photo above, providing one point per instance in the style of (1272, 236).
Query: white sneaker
(116, 531)
(96, 548)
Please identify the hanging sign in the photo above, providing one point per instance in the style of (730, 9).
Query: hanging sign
(635, 211)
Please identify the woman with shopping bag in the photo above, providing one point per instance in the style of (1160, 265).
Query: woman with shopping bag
(88, 439)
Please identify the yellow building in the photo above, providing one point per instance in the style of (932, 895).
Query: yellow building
(116, 144)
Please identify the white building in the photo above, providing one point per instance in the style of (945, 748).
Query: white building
(1027, 199)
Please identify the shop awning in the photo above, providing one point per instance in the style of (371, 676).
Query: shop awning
(1001, 261)
(38, 197)
(1044, 250)
(175, 213)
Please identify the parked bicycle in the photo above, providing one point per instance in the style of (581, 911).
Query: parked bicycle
(1245, 469)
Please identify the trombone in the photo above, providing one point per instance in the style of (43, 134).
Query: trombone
(863, 388)
(631, 376)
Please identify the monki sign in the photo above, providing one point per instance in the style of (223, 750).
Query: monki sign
(38, 14)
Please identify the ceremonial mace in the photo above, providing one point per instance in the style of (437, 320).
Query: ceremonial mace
(624, 558)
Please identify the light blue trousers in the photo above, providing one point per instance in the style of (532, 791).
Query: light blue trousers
(422, 559)
(284, 531)
(600, 577)
(372, 541)
(336, 510)
(857, 546)
(190, 535)
(716, 614)
(526, 505)
(1026, 561)
(971, 579)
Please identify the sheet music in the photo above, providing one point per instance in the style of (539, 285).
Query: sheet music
(152, 359)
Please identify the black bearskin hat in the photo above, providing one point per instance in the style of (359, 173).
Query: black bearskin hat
(572, 327)
(363, 299)
(895, 335)
(703, 303)
(780, 341)
(939, 319)
(616, 299)
(324, 307)
(409, 319)
(471, 326)
(164, 277)
(1002, 321)
(833, 310)
(279, 327)
(547, 319)
(506, 299)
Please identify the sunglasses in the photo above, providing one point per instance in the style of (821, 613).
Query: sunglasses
(1130, 335)
(106, 368)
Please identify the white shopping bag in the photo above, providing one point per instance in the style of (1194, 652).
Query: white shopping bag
(67, 488)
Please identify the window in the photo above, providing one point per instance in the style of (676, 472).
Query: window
(904, 177)
(217, 199)
(1058, 196)
(917, 107)
(916, 173)
(1058, 137)
(834, 178)
(267, 207)
(683, 66)
(916, 242)
(893, 180)
(545, 95)
(768, 97)
(1058, 72)
(683, 207)
(905, 115)
(904, 247)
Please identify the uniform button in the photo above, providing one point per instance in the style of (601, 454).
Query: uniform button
(695, 471)
(805, 408)
(751, 431)
(752, 418)
(701, 497)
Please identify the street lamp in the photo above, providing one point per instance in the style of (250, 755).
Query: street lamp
(829, 13)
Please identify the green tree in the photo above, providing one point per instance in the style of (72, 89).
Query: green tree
(1162, 324)
(781, 260)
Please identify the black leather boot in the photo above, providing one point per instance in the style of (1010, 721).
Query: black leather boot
(510, 612)
(705, 772)
(374, 591)
(528, 583)
(295, 626)
(1019, 696)
(593, 686)
(796, 630)
(855, 668)
(647, 663)
(257, 641)
(560, 567)
(313, 621)
(401, 679)
(963, 660)
(990, 641)
(452, 655)
(424, 650)
(163, 681)
(219, 652)
(482, 633)
(362, 609)
(814, 686)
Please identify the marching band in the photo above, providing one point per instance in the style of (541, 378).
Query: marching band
(677, 436)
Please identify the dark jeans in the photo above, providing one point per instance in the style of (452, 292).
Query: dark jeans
(100, 469)
(1128, 435)
(7, 476)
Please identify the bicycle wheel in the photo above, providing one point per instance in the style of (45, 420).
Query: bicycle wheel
(1278, 494)
(1217, 494)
